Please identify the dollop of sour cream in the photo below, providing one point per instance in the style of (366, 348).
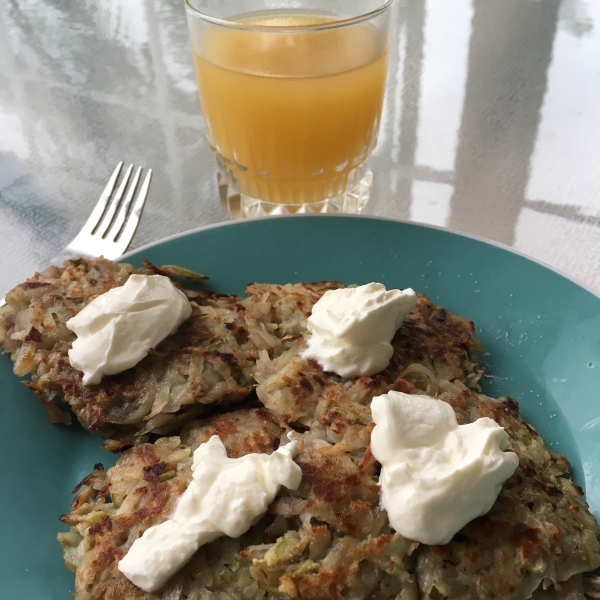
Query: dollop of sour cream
(117, 329)
(436, 475)
(225, 497)
(352, 328)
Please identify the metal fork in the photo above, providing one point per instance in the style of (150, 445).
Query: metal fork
(113, 222)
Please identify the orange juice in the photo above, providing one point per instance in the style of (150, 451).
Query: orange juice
(292, 115)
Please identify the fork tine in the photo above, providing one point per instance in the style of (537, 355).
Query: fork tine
(104, 226)
(135, 215)
(115, 229)
(94, 218)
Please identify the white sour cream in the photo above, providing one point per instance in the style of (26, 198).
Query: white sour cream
(352, 328)
(226, 496)
(436, 475)
(117, 329)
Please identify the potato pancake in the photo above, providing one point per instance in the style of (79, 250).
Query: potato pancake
(206, 361)
(287, 553)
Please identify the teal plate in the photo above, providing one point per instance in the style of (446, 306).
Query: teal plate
(541, 332)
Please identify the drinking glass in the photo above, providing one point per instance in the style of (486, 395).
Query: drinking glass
(291, 93)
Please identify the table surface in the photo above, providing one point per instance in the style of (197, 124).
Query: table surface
(491, 124)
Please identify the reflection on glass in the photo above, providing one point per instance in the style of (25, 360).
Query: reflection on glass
(564, 167)
(446, 47)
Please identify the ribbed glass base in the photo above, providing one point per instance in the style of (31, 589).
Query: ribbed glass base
(241, 206)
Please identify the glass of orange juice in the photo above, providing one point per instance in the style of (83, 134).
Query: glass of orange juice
(291, 93)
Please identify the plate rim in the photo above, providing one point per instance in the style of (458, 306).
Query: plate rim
(469, 236)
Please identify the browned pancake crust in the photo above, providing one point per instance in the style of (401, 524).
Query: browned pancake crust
(538, 531)
(204, 362)
(242, 431)
(286, 552)
(432, 345)
(116, 506)
(443, 342)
